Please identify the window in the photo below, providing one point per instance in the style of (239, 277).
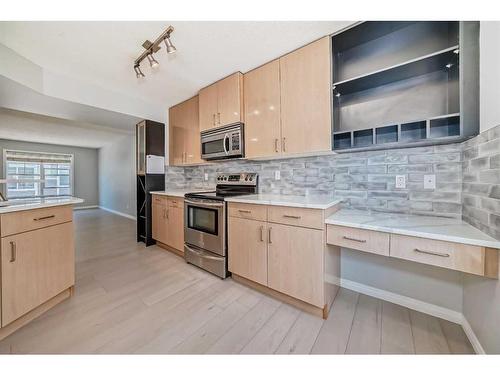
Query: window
(34, 174)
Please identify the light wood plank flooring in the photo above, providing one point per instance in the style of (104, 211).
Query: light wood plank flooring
(132, 299)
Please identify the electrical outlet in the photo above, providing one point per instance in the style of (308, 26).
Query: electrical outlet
(277, 175)
(401, 182)
(206, 176)
(429, 181)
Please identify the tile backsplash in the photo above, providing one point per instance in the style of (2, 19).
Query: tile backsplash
(467, 179)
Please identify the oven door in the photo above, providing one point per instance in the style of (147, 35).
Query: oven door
(204, 224)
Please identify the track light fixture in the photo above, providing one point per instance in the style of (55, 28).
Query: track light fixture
(153, 47)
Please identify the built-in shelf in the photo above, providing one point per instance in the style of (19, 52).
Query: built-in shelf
(440, 60)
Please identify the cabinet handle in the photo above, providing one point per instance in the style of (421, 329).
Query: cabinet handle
(44, 218)
(292, 216)
(218, 117)
(13, 251)
(284, 144)
(261, 233)
(270, 239)
(245, 211)
(213, 120)
(276, 144)
(444, 255)
(354, 239)
(167, 212)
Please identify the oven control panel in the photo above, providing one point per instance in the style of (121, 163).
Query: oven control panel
(237, 178)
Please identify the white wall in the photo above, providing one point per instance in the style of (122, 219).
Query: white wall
(481, 296)
(117, 189)
(489, 74)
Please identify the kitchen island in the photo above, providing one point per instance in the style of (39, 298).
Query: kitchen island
(37, 259)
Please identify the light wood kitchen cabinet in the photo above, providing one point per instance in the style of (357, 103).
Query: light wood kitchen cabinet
(221, 103)
(35, 266)
(306, 114)
(262, 111)
(168, 221)
(184, 133)
(248, 241)
(295, 262)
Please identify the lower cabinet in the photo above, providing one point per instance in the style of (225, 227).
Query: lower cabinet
(248, 242)
(168, 221)
(35, 266)
(295, 262)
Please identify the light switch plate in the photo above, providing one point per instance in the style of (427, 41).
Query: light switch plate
(206, 176)
(429, 181)
(277, 175)
(401, 181)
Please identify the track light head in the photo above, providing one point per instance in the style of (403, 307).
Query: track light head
(170, 47)
(138, 71)
(152, 61)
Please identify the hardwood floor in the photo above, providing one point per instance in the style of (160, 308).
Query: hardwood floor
(132, 299)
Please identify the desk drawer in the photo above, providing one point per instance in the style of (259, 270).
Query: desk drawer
(455, 256)
(301, 217)
(23, 221)
(358, 239)
(248, 211)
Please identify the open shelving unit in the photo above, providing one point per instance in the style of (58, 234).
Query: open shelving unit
(405, 83)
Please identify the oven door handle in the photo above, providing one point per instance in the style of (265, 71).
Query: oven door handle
(226, 150)
(202, 254)
(203, 204)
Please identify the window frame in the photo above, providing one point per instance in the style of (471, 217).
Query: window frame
(42, 174)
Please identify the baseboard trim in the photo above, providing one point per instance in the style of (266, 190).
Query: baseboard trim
(118, 213)
(414, 304)
(84, 207)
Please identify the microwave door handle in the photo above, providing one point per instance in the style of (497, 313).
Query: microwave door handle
(226, 139)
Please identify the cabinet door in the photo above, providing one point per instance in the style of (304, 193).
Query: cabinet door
(176, 135)
(295, 263)
(192, 147)
(262, 111)
(247, 249)
(306, 123)
(176, 228)
(208, 107)
(229, 99)
(157, 217)
(35, 267)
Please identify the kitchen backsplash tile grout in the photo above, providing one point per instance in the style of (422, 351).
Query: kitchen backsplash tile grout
(467, 179)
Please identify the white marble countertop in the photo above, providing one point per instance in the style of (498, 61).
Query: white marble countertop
(34, 203)
(437, 228)
(179, 192)
(313, 201)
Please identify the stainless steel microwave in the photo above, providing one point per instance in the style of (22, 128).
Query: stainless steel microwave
(223, 143)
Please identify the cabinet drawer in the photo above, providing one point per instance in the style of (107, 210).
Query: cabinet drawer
(175, 202)
(248, 211)
(23, 221)
(358, 239)
(160, 200)
(455, 256)
(302, 217)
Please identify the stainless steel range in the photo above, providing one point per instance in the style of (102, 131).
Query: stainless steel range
(205, 221)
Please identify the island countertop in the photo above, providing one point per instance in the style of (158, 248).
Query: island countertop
(437, 228)
(321, 202)
(15, 205)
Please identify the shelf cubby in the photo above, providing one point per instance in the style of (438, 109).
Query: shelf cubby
(386, 134)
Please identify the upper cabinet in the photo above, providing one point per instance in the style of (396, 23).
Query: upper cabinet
(262, 111)
(222, 102)
(184, 133)
(288, 103)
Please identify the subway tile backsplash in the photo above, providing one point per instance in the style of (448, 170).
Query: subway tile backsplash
(467, 179)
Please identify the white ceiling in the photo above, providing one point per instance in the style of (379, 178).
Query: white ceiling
(102, 53)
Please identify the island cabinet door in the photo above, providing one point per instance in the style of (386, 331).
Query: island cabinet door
(295, 263)
(247, 244)
(36, 266)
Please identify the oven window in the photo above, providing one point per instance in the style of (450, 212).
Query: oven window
(213, 147)
(203, 219)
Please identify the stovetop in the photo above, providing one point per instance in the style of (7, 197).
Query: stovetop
(230, 185)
